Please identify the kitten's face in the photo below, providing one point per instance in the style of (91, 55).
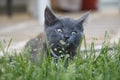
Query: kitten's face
(63, 34)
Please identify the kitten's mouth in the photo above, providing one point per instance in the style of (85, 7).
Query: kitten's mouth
(62, 42)
(60, 47)
(66, 44)
(60, 50)
(60, 53)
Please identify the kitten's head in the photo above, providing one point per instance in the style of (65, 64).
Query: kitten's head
(63, 34)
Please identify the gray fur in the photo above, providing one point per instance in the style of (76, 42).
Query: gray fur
(62, 34)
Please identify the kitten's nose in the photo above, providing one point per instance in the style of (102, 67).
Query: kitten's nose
(66, 37)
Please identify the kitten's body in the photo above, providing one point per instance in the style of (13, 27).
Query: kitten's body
(62, 35)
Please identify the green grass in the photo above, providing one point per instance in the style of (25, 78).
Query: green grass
(85, 66)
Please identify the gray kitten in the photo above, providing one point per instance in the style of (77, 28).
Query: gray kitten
(62, 35)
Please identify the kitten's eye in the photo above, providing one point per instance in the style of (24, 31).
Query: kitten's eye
(59, 30)
(73, 33)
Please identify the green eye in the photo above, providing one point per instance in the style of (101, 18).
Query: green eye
(73, 33)
(59, 30)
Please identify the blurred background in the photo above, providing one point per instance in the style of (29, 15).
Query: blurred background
(21, 20)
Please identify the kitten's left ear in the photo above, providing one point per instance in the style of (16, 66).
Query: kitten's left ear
(83, 18)
(50, 18)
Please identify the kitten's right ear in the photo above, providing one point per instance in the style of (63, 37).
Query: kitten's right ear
(50, 18)
(83, 18)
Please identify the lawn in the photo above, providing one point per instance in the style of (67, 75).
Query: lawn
(85, 65)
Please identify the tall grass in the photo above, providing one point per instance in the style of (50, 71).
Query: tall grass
(85, 65)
